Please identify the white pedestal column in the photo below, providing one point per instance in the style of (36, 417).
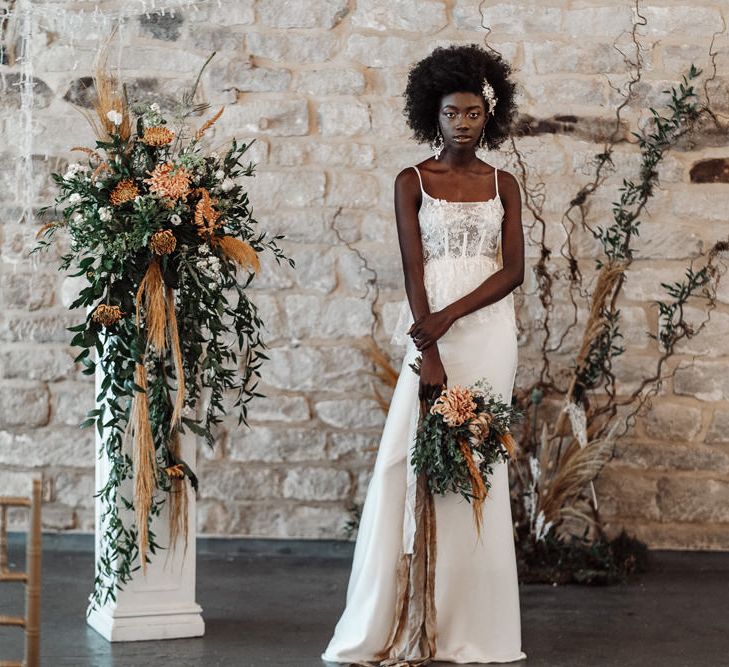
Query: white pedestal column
(161, 603)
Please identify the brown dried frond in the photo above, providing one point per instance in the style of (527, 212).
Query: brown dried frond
(102, 167)
(208, 124)
(90, 152)
(478, 487)
(577, 467)
(241, 252)
(177, 358)
(124, 191)
(206, 216)
(158, 135)
(163, 242)
(143, 461)
(152, 291)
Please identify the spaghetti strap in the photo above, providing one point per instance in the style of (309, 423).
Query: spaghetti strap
(496, 172)
(417, 171)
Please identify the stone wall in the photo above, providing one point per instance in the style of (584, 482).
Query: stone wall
(317, 84)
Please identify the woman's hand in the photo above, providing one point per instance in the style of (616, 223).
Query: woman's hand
(429, 328)
(432, 375)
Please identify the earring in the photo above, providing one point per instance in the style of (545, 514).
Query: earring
(482, 141)
(437, 145)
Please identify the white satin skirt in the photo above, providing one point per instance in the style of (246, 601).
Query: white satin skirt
(476, 587)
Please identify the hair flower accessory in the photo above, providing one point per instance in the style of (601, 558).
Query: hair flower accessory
(488, 93)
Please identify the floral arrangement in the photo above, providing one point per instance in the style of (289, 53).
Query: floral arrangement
(460, 437)
(162, 235)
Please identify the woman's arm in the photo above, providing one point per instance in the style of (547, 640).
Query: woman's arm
(407, 202)
(430, 327)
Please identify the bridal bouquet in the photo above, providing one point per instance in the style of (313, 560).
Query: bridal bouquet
(462, 434)
(161, 234)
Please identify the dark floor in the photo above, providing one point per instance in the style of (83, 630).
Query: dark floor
(280, 610)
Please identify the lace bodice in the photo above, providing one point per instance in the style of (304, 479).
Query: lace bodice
(461, 243)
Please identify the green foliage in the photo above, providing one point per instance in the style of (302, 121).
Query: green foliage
(437, 450)
(219, 325)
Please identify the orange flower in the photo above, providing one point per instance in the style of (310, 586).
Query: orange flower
(168, 180)
(456, 405)
(157, 135)
(107, 315)
(206, 217)
(123, 192)
(163, 242)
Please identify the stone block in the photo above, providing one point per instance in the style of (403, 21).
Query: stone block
(312, 316)
(346, 118)
(75, 488)
(421, 16)
(518, 18)
(289, 117)
(718, 432)
(304, 368)
(355, 447)
(620, 493)
(281, 189)
(351, 413)
(245, 76)
(316, 484)
(382, 51)
(706, 380)
(352, 190)
(294, 48)
(581, 57)
(671, 456)
(55, 446)
(46, 327)
(315, 268)
(221, 480)
(23, 404)
(277, 445)
(330, 81)
(279, 408)
(71, 401)
(671, 422)
(683, 21)
(302, 13)
(693, 499)
(36, 363)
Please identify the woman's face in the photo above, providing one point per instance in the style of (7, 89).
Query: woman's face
(462, 117)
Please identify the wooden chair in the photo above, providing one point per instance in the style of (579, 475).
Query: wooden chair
(32, 578)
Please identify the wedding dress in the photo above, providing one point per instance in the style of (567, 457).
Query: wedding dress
(476, 587)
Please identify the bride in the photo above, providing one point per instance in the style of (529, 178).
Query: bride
(461, 240)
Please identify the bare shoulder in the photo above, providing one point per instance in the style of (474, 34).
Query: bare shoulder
(406, 182)
(507, 181)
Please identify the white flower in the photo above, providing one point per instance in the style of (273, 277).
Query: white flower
(77, 217)
(154, 107)
(175, 219)
(115, 117)
(105, 214)
(220, 174)
(99, 184)
(214, 155)
(75, 198)
(227, 185)
(73, 169)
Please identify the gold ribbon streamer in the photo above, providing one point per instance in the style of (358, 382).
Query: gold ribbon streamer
(412, 641)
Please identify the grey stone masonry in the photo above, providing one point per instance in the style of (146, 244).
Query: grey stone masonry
(317, 84)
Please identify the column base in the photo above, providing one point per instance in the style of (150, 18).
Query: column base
(117, 626)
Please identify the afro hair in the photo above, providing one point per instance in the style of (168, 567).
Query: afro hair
(456, 69)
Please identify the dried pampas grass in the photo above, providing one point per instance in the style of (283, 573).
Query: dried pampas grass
(240, 252)
(152, 292)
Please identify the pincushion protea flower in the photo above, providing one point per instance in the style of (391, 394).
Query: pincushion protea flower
(455, 404)
(107, 315)
(170, 181)
(158, 135)
(163, 242)
(124, 191)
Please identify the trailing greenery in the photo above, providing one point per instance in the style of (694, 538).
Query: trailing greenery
(152, 203)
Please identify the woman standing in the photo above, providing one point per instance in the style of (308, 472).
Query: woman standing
(455, 216)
